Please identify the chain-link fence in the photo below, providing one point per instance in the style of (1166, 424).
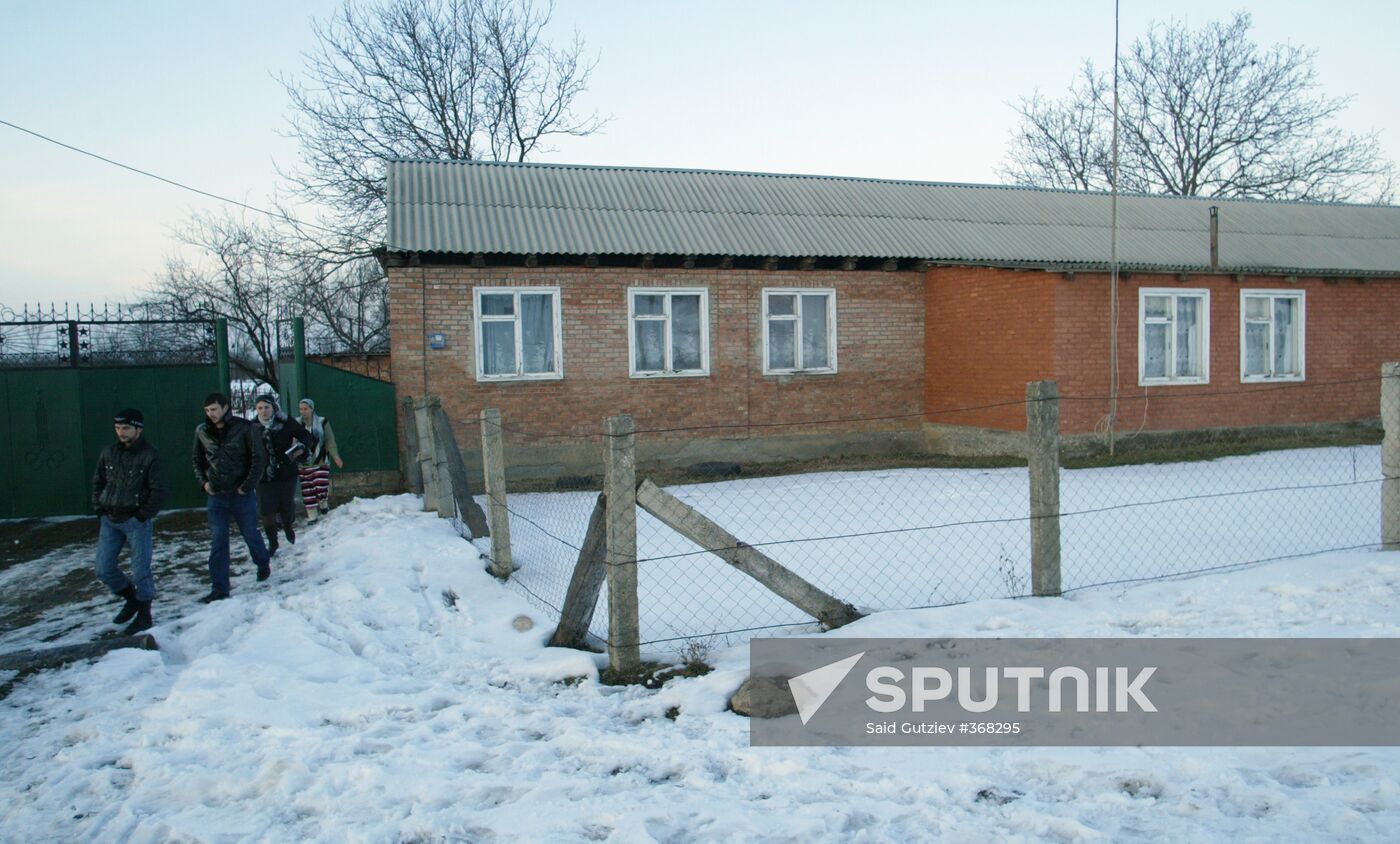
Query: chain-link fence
(898, 527)
(549, 519)
(553, 482)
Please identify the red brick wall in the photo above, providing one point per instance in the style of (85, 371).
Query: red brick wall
(988, 332)
(949, 343)
(1351, 328)
(880, 343)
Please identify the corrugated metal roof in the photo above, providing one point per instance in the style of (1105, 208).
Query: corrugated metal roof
(494, 207)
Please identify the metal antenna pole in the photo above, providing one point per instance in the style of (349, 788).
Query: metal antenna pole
(1113, 255)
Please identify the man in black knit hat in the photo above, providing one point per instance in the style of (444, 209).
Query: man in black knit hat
(128, 490)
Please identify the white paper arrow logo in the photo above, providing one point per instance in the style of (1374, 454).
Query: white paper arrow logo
(811, 690)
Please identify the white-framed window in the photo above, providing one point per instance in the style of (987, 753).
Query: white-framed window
(799, 330)
(1271, 335)
(669, 331)
(518, 333)
(1173, 336)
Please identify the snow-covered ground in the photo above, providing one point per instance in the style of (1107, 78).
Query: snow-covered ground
(377, 690)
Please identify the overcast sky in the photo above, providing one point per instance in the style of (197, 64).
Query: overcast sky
(900, 90)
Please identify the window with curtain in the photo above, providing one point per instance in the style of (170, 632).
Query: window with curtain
(799, 330)
(1271, 335)
(1173, 336)
(670, 331)
(518, 333)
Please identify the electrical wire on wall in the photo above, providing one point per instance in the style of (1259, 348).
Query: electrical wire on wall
(423, 320)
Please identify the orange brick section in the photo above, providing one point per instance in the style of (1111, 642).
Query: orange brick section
(880, 359)
(989, 331)
(1350, 330)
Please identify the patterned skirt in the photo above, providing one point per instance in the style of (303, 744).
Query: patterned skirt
(315, 485)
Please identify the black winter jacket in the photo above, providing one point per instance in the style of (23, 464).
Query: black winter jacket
(231, 458)
(129, 481)
(279, 438)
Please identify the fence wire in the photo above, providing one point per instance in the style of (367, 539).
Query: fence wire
(553, 484)
(896, 527)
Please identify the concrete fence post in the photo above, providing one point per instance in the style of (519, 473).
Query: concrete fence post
(412, 465)
(458, 486)
(1390, 456)
(443, 496)
(493, 464)
(620, 489)
(1043, 460)
(427, 466)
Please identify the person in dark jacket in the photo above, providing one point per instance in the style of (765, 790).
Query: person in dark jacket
(228, 461)
(128, 490)
(286, 442)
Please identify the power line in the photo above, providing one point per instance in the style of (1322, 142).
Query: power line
(274, 214)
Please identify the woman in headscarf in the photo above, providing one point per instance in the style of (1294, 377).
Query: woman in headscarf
(315, 469)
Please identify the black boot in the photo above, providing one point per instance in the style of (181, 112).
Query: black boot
(214, 595)
(270, 530)
(291, 533)
(130, 608)
(142, 620)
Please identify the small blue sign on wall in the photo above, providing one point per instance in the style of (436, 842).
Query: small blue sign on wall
(437, 340)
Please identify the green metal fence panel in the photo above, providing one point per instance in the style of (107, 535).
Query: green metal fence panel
(43, 458)
(54, 421)
(171, 398)
(57, 421)
(291, 391)
(362, 412)
(9, 475)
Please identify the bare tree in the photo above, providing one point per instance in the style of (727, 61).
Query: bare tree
(1205, 113)
(453, 79)
(345, 305)
(242, 274)
(1061, 144)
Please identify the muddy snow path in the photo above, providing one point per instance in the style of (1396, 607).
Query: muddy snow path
(50, 595)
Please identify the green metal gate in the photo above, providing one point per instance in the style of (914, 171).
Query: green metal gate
(61, 381)
(360, 410)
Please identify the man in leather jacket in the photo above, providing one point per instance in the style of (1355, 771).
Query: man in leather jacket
(128, 490)
(228, 462)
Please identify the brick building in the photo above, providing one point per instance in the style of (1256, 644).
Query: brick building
(740, 306)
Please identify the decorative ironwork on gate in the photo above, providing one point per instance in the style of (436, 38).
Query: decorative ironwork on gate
(112, 335)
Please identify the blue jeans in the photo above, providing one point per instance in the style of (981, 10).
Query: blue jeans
(110, 539)
(244, 509)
